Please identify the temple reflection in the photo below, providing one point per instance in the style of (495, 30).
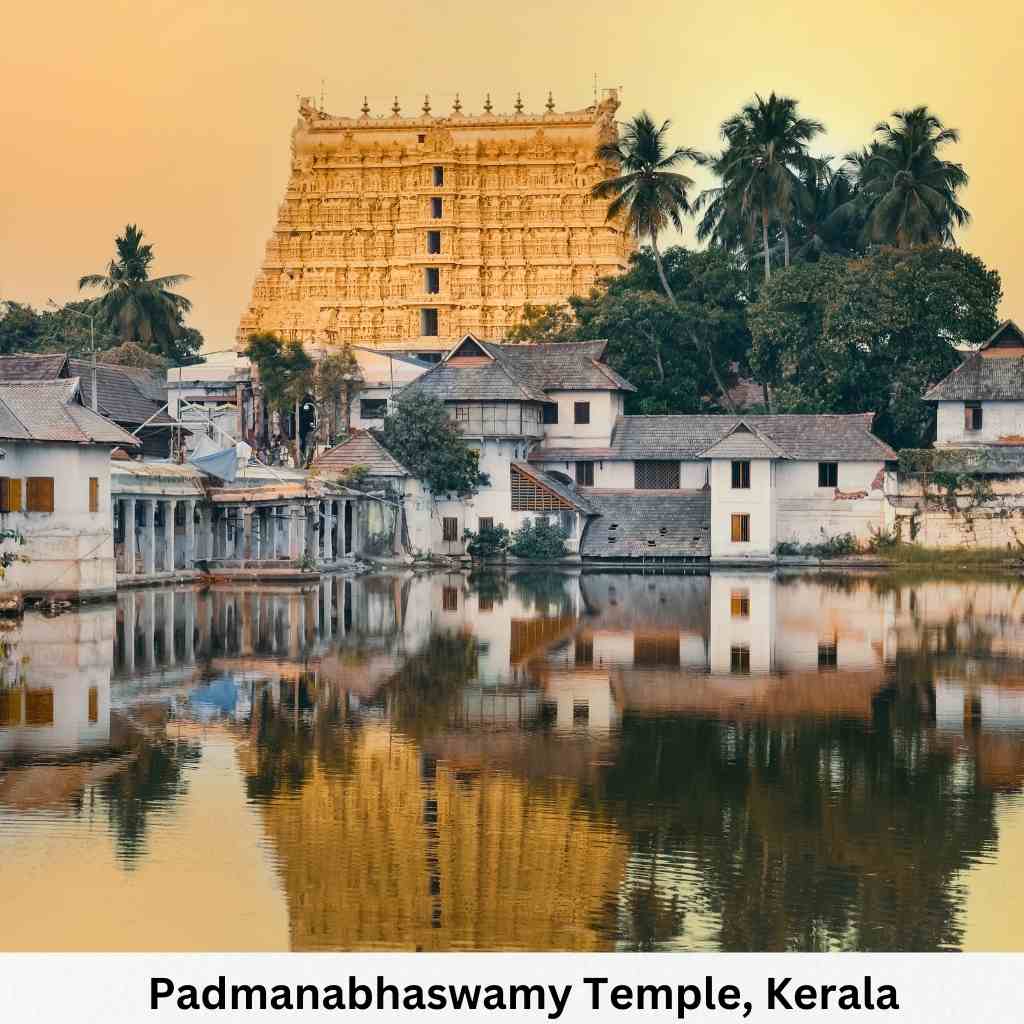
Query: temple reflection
(555, 760)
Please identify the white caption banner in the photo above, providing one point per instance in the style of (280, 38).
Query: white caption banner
(536, 987)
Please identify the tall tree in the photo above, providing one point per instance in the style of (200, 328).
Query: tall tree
(139, 308)
(761, 169)
(286, 374)
(909, 189)
(649, 191)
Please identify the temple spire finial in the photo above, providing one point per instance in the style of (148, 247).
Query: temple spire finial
(365, 108)
(519, 103)
(488, 106)
(550, 105)
(395, 108)
(426, 105)
(457, 105)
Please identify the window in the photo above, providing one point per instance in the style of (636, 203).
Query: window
(655, 475)
(828, 474)
(651, 650)
(580, 712)
(828, 655)
(373, 408)
(450, 599)
(462, 413)
(450, 529)
(567, 521)
(485, 603)
(741, 529)
(972, 416)
(485, 523)
(739, 660)
(581, 412)
(438, 178)
(436, 207)
(94, 704)
(421, 138)
(741, 475)
(584, 653)
(40, 494)
(739, 604)
(432, 280)
(428, 323)
(39, 707)
(433, 242)
(585, 474)
(10, 494)
(550, 412)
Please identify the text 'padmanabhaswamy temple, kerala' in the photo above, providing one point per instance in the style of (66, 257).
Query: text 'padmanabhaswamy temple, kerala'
(410, 232)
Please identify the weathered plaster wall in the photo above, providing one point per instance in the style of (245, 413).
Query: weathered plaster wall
(999, 420)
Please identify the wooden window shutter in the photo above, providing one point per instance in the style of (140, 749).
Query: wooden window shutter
(14, 489)
(6, 502)
(94, 494)
(40, 494)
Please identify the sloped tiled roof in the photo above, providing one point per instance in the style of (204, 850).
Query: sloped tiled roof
(361, 449)
(982, 378)
(52, 411)
(652, 524)
(818, 436)
(126, 394)
(520, 373)
(567, 492)
(1007, 333)
(743, 443)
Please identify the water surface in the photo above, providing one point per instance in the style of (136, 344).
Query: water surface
(540, 762)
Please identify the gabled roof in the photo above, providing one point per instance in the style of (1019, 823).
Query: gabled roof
(796, 436)
(476, 370)
(651, 524)
(567, 492)
(979, 378)
(51, 410)
(361, 449)
(743, 442)
(1006, 334)
(126, 394)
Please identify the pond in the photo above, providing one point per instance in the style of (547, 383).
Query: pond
(540, 761)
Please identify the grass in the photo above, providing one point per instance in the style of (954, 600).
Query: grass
(917, 554)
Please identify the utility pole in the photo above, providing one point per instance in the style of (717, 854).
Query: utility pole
(92, 344)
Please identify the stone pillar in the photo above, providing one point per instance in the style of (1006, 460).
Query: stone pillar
(169, 514)
(149, 536)
(149, 629)
(329, 532)
(328, 607)
(168, 614)
(247, 533)
(190, 535)
(312, 509)
(296, 532)
(190, 599)
(128, 520)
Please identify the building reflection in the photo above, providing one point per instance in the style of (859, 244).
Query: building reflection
(565, 761)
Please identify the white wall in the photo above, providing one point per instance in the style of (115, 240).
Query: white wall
(756, 501)
(605, 406)
(756, 631)
(619, 474)
(808, 514)
(998, 419)
(71, 550)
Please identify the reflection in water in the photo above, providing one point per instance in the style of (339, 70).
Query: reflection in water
(541, 761)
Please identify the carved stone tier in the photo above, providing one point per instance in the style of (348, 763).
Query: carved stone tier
(469, 217)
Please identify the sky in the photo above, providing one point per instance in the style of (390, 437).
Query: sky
(176, 115)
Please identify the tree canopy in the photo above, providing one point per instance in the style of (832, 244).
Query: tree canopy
(421, 435)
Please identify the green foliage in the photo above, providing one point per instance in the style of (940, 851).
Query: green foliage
(286, 374)
(554, 322)
(490, 542)
(420, 434)
(135, 307)
(870, 334)
(132, 354)
(539, 540)
(336, 377)
(841, 545)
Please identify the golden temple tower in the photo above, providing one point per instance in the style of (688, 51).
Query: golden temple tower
(408, 232)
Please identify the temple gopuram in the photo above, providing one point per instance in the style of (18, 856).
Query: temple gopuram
(409, 232)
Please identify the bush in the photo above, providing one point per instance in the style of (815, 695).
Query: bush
(539, 540)
(840, 546)
(490, 542)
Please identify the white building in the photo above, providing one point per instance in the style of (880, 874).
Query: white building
(982, 401)
(55, 490)
(549, 426)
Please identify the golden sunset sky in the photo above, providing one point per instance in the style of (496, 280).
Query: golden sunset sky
(176, 114)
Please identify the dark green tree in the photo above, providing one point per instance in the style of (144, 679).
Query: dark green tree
(286, 375)
(421, 435)
(872, 333)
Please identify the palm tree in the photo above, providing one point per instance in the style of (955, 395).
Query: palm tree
(910, 191)
(760, 168)
(828, 216)
(137, 307)
(649, 191)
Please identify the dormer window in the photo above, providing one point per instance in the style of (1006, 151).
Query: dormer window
(972, 416)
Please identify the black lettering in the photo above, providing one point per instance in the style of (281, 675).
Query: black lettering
(385, 989)
(729, 997)
(464, 995)
(595, 991)
(314, 997)
(887, 998)
(359, 996)
(656, 993)
(281, 998)
(248, 992)
(689, 999)
(621, 997)
(438, 997)
(560, 998)
(806, 997)
(188, 997)
(213, 995)
(494, 998)
(777, 994)
(413, 999)
(333, 998)
(159, 988)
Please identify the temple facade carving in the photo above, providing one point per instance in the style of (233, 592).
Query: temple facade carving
(417, 230)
